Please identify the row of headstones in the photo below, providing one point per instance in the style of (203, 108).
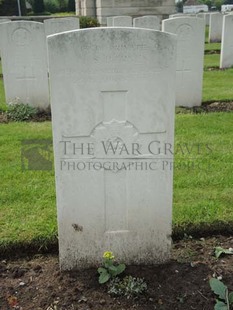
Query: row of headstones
(220, 30)
(24, 57)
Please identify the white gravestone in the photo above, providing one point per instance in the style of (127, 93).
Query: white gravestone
(113, 127)
(56, 25)
(215, 28)
(24, 63)
(122, 21)
(176, 15)
(3, 20)
(226, 57)
(207, 19)
(110, 21)
(149, 22)
(190, 33)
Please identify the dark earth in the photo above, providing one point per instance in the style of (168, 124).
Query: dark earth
(36, 283)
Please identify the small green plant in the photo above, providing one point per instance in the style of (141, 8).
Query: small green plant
(20, 112)
(219, 251)
(225, 299)
(88, 22)
(128, 286)
(110, 269)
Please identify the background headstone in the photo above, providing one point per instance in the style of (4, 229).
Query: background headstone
(3, 20)
(56, 25)
(149, 22)
(215, 28)
(190, 33)
(24, 63)
(122, 21)
(110, 21)
(109, 87)
(207, 19)
(226, 57)
(176, 15)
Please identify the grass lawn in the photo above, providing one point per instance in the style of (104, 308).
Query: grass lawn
(27, 199)
(218, 85)
(204, 193)
(212, 46)
(211, 60)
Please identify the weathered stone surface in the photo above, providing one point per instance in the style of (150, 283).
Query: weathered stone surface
(113, 127)
(215, 29)
(122, 21)
(226, 57)
(56, 25)
(149, 22)
(24, 63)
(190, 33)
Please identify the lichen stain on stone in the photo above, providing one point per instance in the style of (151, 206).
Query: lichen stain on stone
(77, 227)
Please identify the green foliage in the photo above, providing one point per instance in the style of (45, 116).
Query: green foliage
(10, 7)
(20, 112)
(128, 286)
(225, 300)
(71, 6)
(109, 269)
(88, 22)
(219, 251)
(38, 6)
(62, 5)
(51, 6)
(179, 6)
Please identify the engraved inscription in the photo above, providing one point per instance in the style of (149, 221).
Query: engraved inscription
(21, 37)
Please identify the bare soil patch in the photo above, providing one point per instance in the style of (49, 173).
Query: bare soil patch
(36, 283)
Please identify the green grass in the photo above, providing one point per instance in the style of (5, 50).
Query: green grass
(63, 14)
(218, 85)
(205, 192)
(2, 96)
(211, 60)
(27, 198)
(212, 46)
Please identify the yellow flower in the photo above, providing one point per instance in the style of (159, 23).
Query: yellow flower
(108, 255)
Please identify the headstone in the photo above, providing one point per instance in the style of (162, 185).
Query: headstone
(56, 25)
(207, 19)
(176, 15)
(24, 63)
(226, 57)
(113, 126)
(215, 29)
(110, 21)
(4, 20)
(122, 21)
(149, 22)
(201, 15)
(190, 33)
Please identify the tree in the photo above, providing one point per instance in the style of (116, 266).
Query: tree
(179, 6)
(38, 6)
(71, 5)
(10, 7)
